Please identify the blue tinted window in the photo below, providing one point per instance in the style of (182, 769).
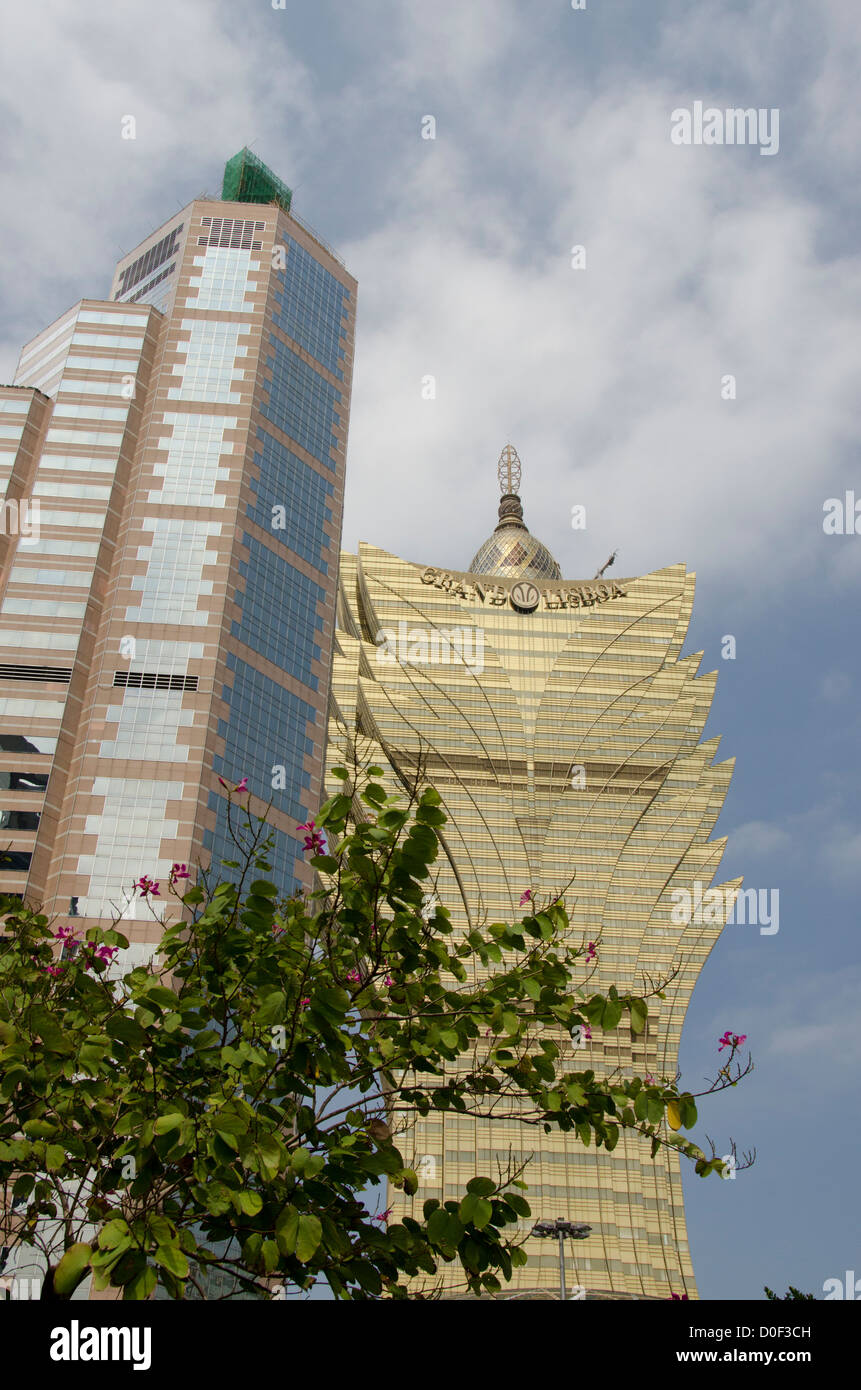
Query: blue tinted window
(302, 402)
(285, 481)
(311, 304)
(279, 612)
(283, 857)
(267, 728)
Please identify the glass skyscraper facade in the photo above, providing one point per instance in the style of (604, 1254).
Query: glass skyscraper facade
(561, 726)
(176, 452)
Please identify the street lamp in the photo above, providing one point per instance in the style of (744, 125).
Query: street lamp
(558, 1230)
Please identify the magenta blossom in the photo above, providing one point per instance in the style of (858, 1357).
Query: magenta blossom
(681, 1297)
(731, 1040)
(383, 1215)
(389, 980)
(54, 970)
(315, 840)
(591, 953)
(240, 786)
(526, 897)
(178, 871)
(303, 1003)
(148, 885)
(65, 934)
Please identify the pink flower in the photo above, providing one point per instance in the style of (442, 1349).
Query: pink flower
(679, 1296)
(587, 1032)
(240, 786)
(276, 930)
(389, 980)
(526, 897)
(147, 885)
(354, 977)
(591, 953)
(65, 934)
(54, 970)
(315, 840)
(383, 1215)
(650, 1079)
(178, 871)
(731, 1040)
(303, 1003)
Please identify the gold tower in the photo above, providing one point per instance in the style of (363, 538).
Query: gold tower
(561, 727)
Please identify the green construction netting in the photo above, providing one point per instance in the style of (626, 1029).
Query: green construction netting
(248, 180)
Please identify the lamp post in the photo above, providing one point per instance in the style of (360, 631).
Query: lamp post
(558, 1230)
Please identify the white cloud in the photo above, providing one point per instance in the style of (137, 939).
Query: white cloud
(835, 686)
(700, 261)
(82, 192)
(758, 837)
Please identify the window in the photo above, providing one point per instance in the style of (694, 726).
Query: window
(139, 269)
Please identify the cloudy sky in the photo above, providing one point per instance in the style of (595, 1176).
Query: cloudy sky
(702, 262)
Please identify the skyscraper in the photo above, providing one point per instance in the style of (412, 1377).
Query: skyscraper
(561, 726)
(173, 459)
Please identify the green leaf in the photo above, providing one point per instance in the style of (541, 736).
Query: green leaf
(475, 1209)
(482, 1187)
(639, 1014)
(160, 1228)
(248, 1202)
(39, 1129)
(271, 1255)
(287, 1229)
(141, 1286)
(689, 1112)
(171, 1258)
(444, 1229)
(72, 1269)
(326, 862)
(272, 1156)
(113, 1233)
(272, 1008)
(655, 1110)
(611, 1014)
(308, 1237)
(263, 888)
(165, 1123)
(125, 1029)
(216, 1198)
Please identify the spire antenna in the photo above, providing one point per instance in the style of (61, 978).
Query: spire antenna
(509, 471)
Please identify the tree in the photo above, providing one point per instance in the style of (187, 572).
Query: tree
(791, 1296)
(227, 1106)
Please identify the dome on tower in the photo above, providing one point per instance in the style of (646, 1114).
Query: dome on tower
(512, 552)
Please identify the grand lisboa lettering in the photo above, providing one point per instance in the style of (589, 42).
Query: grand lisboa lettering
(523, 596)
